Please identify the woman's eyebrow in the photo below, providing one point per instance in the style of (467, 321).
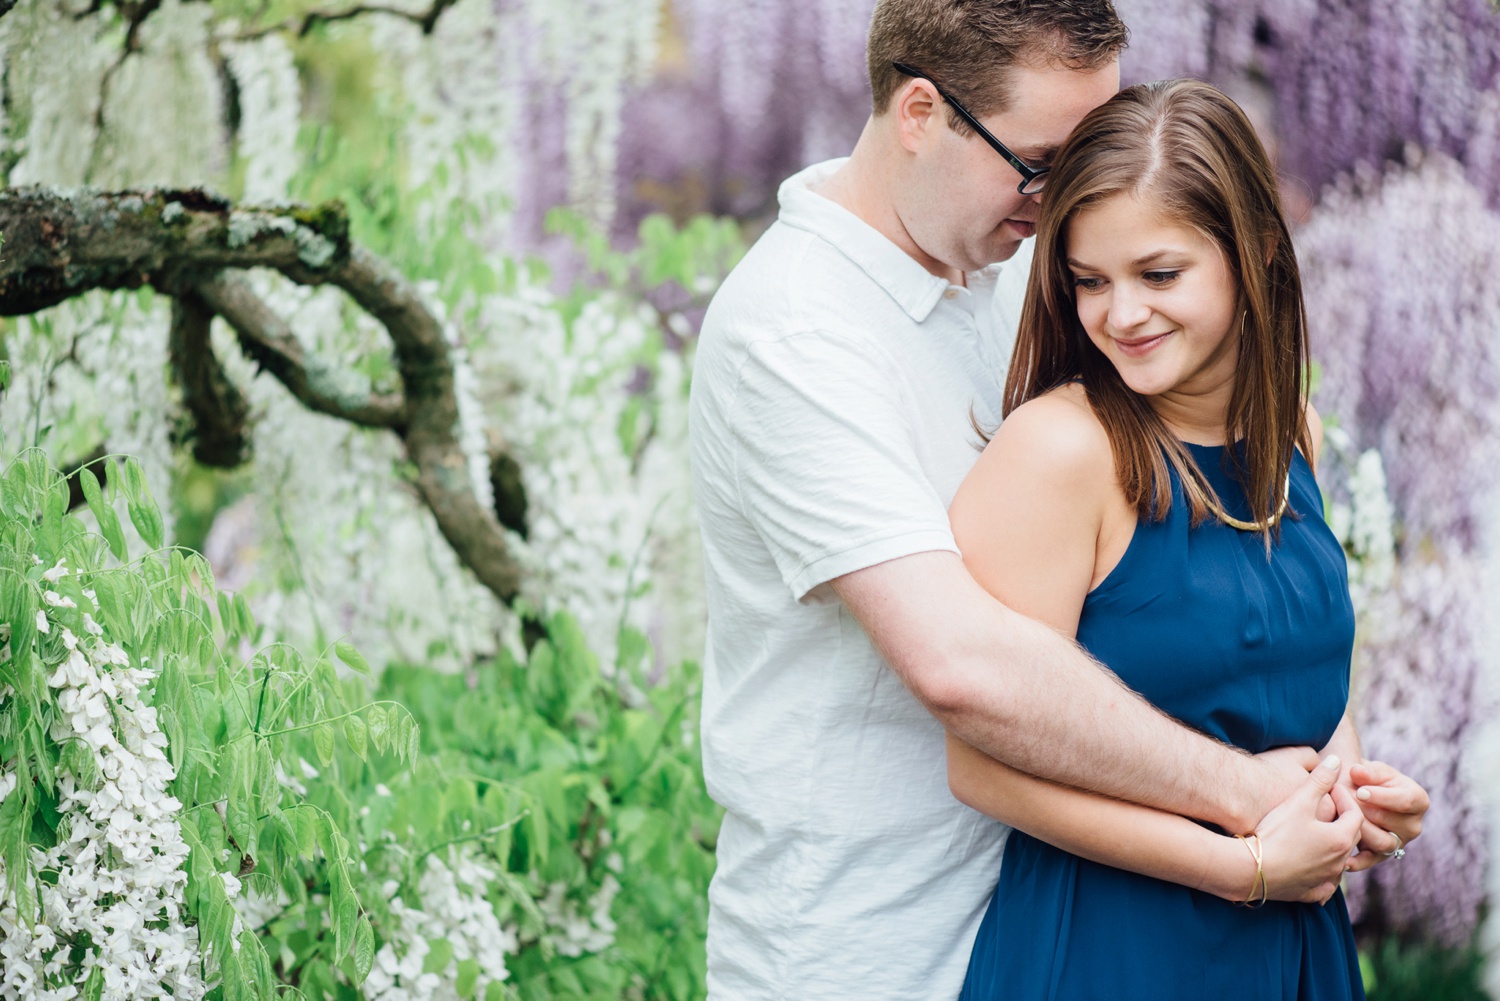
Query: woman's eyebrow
(1155, 256)
(1151, 258)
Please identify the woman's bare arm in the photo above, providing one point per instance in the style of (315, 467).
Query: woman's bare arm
(1040, 521)
(1103, 830)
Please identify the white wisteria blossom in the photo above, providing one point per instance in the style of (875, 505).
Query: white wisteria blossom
(270, 104)
(454, 909)
(1364, 521)
(574, 929)
(115, 895)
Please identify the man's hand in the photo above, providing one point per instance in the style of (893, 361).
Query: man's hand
(1393, 805)
(1283, 771)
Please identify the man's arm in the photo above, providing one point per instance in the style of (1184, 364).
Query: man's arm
(1018, 691)
(980, 640)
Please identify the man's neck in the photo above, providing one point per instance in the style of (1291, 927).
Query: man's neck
(864, 188)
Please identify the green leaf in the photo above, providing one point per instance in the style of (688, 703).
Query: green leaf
(379, 725)
(345, 908)
(305, 823)
(323, 743)
(364, 949)
(254, 956)
(439, 955)
(468, 978)
(15, 828)
(349, 655)
(144, 514)
(93, 987)
(104, 514)
(354, 733)
(246, 625)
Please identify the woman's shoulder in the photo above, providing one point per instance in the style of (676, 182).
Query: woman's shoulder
(1058, 431)
(1315, 433)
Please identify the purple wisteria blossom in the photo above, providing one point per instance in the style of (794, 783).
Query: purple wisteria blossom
(1354, 81)
(763, 88)
(1404, 312)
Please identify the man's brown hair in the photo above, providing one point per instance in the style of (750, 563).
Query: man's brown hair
(969, 46)
(1185, 148)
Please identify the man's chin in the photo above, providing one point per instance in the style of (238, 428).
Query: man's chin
(1003, 250)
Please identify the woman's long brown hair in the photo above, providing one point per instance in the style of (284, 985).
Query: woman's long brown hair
(1187, 149)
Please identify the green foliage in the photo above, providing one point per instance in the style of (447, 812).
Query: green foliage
(609, 775)
(695, 256)
(685, 264)
(234, 728)
(563, 779)
(1422, 972)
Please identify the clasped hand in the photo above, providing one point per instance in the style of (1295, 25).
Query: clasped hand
(1340, 818)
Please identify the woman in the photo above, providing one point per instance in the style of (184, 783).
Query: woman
(1151, 492)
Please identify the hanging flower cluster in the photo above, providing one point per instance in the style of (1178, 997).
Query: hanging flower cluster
(1352, 81)
(1410, 340)
(574, 930)
(747, 95)
(1362, 518)
(112, 909)
(455, 913)
(95, 370)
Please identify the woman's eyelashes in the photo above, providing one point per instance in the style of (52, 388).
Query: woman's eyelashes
(1156, 279)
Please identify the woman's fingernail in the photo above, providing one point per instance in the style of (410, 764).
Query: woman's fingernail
(1332, 761)
(1363, 794)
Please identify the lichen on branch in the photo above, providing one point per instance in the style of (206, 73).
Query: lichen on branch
(190, 244)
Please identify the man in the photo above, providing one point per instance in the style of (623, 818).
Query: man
(839, 370)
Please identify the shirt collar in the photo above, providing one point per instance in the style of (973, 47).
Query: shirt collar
(915, 289)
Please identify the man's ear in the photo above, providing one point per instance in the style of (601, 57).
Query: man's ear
(917, 107)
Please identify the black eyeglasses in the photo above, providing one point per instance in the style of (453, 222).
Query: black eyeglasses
(1032, 179)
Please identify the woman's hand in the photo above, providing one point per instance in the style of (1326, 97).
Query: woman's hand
(1393, 804)
(1304, 857)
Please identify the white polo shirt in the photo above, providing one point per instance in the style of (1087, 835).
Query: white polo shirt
(830, 420)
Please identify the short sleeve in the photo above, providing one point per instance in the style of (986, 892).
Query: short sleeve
(827, 462)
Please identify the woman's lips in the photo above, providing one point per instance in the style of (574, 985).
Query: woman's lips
(1141, 345)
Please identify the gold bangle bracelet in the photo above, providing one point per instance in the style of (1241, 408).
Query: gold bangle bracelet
(1256, 851)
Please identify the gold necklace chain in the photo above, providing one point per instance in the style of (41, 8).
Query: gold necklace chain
(1249, 526)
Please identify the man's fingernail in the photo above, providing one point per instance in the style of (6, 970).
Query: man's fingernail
(1332, 761)
(1363, 794)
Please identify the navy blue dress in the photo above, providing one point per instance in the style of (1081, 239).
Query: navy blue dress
(1252, 651)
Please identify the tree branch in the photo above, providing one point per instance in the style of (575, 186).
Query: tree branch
(59, 246)
(427, 20)
(220, 413)
(432, 418)
(62, 245)
(270, 343)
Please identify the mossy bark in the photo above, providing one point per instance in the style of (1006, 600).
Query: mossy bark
(188, 244)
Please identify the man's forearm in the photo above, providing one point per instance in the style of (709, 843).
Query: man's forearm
(1061, 715)
(1017, 690)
